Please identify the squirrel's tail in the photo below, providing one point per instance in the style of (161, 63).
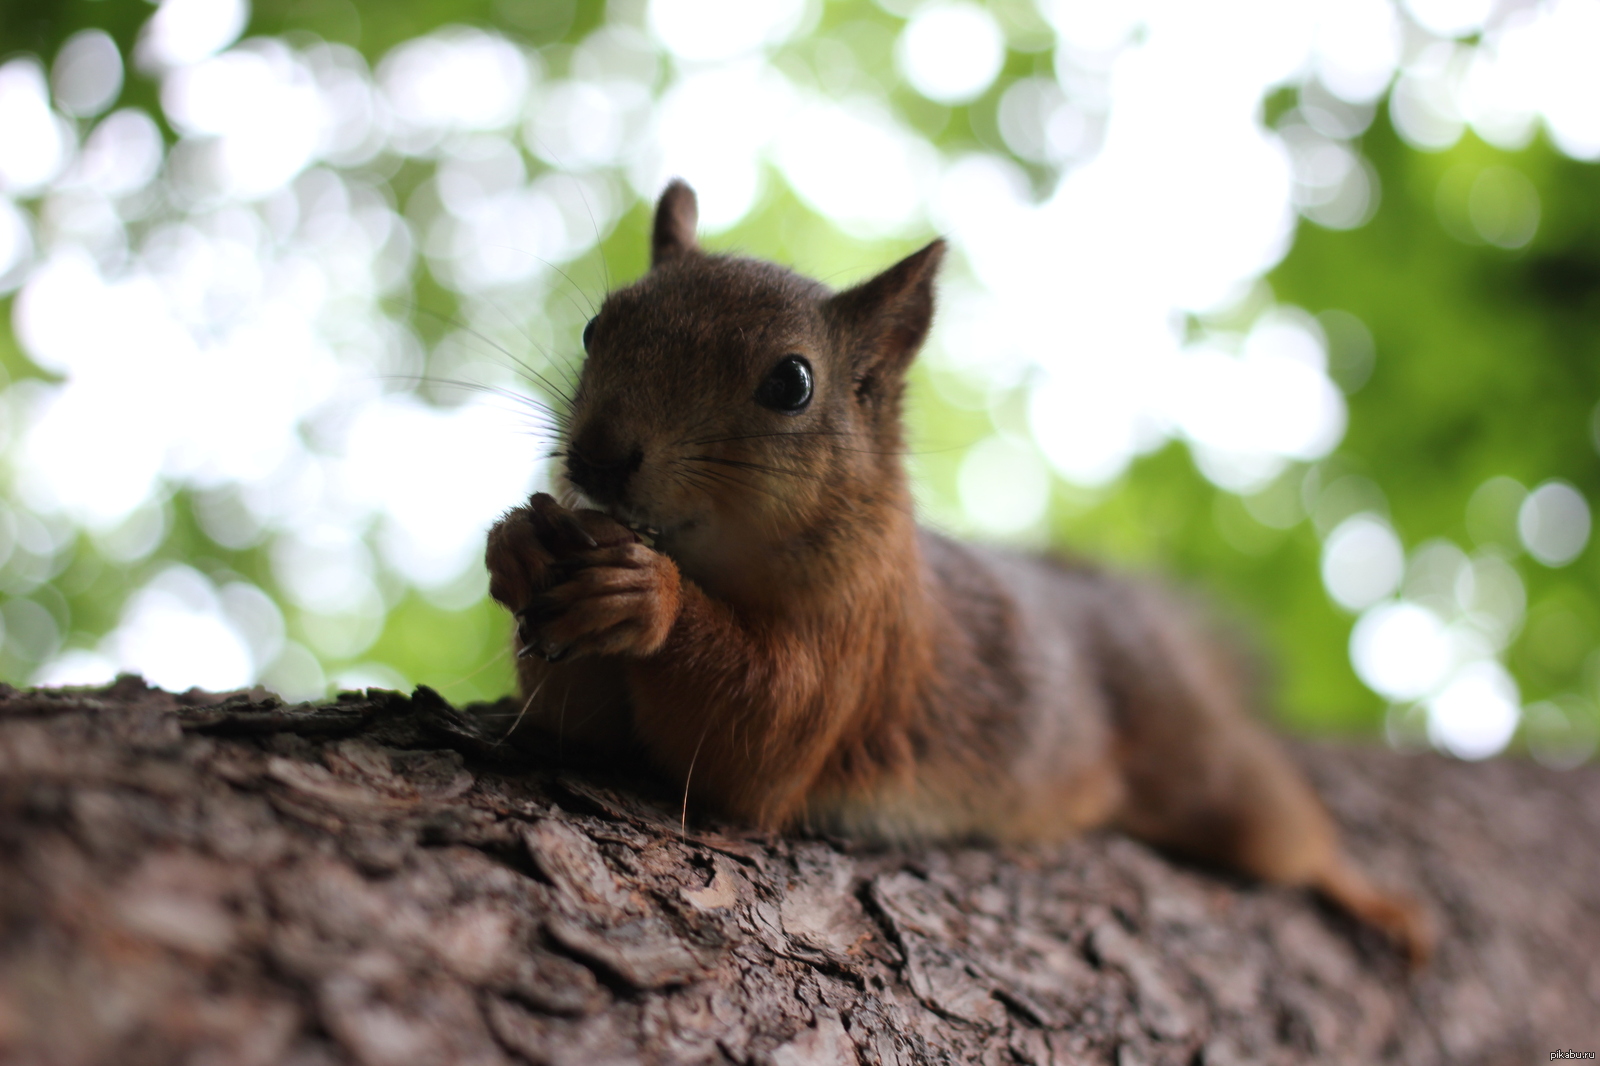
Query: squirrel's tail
(1402, 919)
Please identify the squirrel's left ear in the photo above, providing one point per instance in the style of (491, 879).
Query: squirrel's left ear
(676, 216)
(884, 321)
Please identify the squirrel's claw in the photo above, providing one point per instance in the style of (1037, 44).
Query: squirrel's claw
(532, 618)
(558, 529)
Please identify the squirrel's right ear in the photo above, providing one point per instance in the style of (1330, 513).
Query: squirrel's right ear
(885, 320)
(676, 215)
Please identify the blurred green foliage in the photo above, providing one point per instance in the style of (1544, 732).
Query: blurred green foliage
(1488, 364)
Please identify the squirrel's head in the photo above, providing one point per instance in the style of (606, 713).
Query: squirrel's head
(731, 402)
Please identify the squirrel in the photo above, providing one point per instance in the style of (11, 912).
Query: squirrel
(736, 587)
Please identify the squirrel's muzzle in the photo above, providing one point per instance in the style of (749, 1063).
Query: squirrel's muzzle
(601, 465)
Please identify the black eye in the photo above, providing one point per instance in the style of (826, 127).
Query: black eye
(787, 387)
(588, 334)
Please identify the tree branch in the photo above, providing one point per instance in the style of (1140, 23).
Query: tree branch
(377, 880)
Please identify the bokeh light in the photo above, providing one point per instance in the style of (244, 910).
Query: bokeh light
(951, 52)
(1362, 561)
(87, 73)
(1554, 523)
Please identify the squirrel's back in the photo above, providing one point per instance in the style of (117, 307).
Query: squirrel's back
(1013, 738)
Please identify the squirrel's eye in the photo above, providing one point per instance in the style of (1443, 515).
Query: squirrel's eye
(787, 387)
(588, 334)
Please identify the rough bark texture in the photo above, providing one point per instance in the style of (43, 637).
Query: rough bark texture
(377, 881)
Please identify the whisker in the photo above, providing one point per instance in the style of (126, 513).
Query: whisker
(697, 478)
(532, 374)
(683, 815)
(758, 467)
(593, 310)
(594, 227)
(474, 386)
(493, 661)
(764, 436)
(545, 150)
(811, 433)
(545, 421)
(703, 421)
(726, 478)
(566, 395)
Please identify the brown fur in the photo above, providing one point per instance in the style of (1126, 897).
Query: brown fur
(795, 650)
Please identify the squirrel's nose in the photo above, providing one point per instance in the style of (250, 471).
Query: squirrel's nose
(601, 465)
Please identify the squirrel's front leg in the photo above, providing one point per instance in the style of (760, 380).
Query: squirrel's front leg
(574, 710)
(714, 705)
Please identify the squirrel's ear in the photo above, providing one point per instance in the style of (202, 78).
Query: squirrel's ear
(676, 215)
(884, 321)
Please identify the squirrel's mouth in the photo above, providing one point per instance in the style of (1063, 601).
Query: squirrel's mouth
(647, 533)
(624, 516)
(645, 530)
(653, 532)
(657, 536)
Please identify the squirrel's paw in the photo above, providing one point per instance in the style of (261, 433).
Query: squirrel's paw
(618, 600)
(528, 545)
(519, 565)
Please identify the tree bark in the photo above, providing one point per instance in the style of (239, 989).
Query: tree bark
(381, 880)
